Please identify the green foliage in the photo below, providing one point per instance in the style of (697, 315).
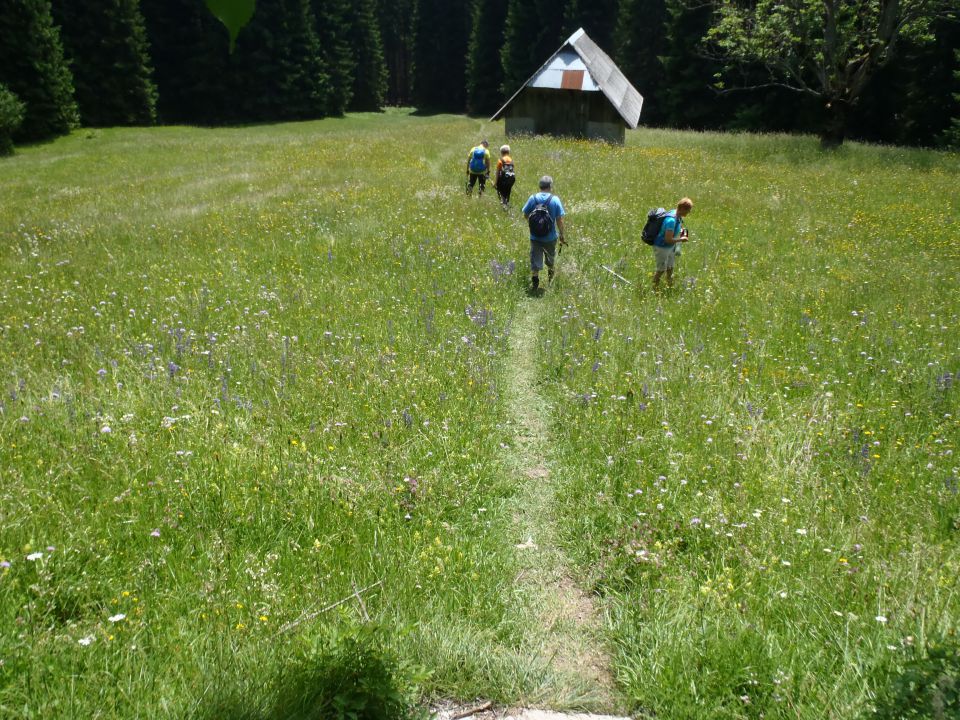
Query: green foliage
(484, 73)
(533, 32)
(598, 18)
(234, 14)
(686, 99)
(639, 42)
(927, 686)
(333, 18)
(829, 50)
(11, 115)
(440, 59)
(911, 101)
(106, 44)
(33, 67)
(951, 134)
(190, 54)
(398, 20)
(370, 78)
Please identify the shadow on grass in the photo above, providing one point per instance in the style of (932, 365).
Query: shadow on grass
(351, 676)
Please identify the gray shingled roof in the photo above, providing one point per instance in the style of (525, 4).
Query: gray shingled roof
(603, 71)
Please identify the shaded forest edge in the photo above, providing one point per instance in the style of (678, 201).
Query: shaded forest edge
(893, 78)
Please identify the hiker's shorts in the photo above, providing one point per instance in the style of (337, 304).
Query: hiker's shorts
(540, 251)
(665, 257)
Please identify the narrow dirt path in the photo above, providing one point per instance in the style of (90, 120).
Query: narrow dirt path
(567, 635)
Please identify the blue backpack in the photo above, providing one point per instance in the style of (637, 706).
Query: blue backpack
(478, 163)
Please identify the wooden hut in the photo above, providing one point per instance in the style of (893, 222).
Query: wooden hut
(579, 91)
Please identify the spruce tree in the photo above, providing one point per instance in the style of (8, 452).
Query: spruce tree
(332, 19)
(484, 68)
(440, 61)
(370, 78)
(11, 115)
(190, 52)
(688, 98)
(598, 18)
(910, 100)
(305, 86)
(951, 136)
(398, 30)
(32, 66)
(106, 44)
(276, 71)
(639, 40)
(533, 32)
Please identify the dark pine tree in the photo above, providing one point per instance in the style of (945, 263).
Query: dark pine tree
(190, 51)
(951, 136)
(533, 32)
(304, 84)
(598, 18)
(910, 100)
(32, 66)
(484, 69)
(370, 78)
(398, 30)
(440, 57)
(687, 97)
(106, 45)
(333, 23)
(639, 41)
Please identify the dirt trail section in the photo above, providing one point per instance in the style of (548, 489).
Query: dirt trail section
(565, 629)
(564, 637)
(569, 637)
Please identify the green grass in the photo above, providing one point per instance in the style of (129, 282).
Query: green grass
(247, 371)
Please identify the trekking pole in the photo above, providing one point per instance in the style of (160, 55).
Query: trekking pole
(617, 275)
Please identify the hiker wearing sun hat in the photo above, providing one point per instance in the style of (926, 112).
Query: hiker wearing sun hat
(506, 176)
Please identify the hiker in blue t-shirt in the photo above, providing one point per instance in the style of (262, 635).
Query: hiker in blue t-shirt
(544, 213)
(671, 233)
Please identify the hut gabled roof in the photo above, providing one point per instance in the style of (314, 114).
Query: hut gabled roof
(580, 64)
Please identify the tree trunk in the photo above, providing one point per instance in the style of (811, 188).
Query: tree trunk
(835, 124)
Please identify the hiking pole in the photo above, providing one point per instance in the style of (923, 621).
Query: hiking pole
(617, 275)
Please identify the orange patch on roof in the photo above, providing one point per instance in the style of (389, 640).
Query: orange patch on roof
(572, 80)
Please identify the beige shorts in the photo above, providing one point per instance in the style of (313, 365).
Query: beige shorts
(665, 257)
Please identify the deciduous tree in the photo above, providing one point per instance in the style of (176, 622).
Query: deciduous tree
(825, 48)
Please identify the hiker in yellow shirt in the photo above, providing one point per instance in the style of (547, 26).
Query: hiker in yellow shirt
(478, 167)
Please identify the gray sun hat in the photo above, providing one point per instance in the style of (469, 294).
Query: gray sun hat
(546, 182)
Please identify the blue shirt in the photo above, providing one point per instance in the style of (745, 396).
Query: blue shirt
(554, 207)
(670, 222)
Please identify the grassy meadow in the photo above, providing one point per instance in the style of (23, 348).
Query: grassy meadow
(255, 421)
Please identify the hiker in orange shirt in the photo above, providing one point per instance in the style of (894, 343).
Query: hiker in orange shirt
(505, 177)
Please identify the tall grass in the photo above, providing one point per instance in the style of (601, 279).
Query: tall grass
(250, 373)
(758, 464)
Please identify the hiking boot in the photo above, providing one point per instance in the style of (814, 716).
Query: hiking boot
(535, 282)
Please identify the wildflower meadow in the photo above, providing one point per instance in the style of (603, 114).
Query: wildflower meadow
(276, 398)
